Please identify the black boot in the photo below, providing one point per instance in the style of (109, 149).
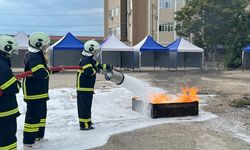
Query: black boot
(88, 128)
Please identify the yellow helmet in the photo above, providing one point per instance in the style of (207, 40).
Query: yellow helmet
(38, 40)
(8, 44)
(91, 46)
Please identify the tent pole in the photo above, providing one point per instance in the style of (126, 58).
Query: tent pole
(184, 61)
(242, 61)
(202, 59)
(160, 64)
(121, 60)
(176, 61)
(133, 61)
(168, 61)
(140, 60)
(53, 59)
(154, 60)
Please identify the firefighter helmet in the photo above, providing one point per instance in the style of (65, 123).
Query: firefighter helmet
(38, 40)
(91, 46)
(8, 44)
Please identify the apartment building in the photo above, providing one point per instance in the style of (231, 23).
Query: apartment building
(132, 20)
(115, 18)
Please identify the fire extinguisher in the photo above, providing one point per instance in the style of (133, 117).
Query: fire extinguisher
(114, 76)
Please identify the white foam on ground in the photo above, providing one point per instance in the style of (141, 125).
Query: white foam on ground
(243, 137)
(111, 113)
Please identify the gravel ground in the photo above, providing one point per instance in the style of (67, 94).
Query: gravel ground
(230, 131)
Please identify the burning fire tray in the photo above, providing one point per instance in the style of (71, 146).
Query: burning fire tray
(174, 109)
(165, 110)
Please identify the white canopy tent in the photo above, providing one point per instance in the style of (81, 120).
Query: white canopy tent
(116, 53)
(22, 40)
(112, 43)
(186, 46)
(188, 55)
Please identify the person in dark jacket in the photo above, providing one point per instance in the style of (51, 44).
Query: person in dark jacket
(86, 78)
(35, 89)
(9, 87)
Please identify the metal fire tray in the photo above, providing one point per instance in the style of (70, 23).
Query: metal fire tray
(174, 109)
(167, 109)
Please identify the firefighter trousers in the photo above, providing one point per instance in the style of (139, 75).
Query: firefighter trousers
(84, 104)
(8, 128)
(35, 121)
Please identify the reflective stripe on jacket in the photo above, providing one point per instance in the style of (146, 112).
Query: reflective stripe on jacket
(10, 87)
(36, 87)
(86, 76)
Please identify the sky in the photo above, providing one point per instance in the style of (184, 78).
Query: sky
(55, 17)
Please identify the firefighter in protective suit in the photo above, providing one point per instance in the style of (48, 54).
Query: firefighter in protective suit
(86, 78)
(9, 87)
(35, 88)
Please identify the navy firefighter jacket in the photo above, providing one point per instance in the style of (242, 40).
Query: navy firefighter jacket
(35, 87)
(10, 87)
(86, 76)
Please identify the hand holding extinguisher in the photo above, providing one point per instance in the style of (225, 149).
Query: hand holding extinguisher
(114, 76)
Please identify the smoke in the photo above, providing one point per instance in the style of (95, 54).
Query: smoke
(140, 88)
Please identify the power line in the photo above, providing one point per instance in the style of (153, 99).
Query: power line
(54, 25)
(65, 25)
(60, 15)
(51, 30)
(52, 15)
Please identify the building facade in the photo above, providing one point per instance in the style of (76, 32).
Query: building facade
(132, 20)
(115, 18)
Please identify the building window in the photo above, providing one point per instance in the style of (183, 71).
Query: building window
(166, 27)
(130, 5)
(167, 4)
(115, 31)
(111, 13)
(118, 31)
(114, 12)
(181, 1)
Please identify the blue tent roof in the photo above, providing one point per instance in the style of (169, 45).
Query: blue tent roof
(174, 45)
(247, 49)
(68, 42)
(149, 44)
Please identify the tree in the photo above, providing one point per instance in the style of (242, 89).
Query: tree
(216, 22)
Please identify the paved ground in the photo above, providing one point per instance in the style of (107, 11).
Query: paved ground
(223, 133)
(230, 131)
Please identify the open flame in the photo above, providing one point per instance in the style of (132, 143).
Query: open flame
(188, 95)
